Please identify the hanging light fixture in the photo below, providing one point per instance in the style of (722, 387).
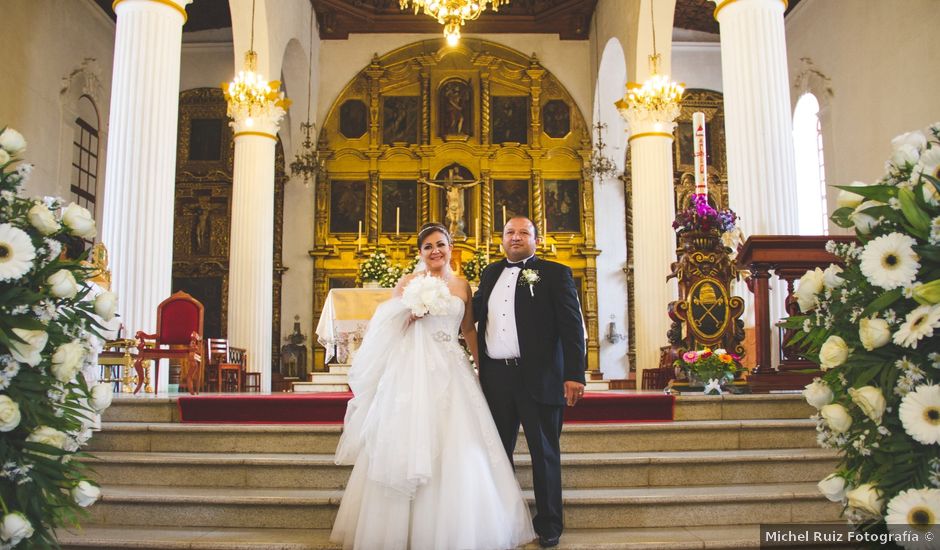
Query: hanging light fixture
(307, 162)
(252, 99)
(658, 97)
(452, 13)
(601, 165)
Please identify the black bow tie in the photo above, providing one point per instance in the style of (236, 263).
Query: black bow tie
(520, 265)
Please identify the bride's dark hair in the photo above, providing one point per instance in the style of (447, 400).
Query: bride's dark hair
(433, 227)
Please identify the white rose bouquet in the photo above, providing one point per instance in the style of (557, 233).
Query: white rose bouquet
(47, 325)
(873, 325)
(426, 295)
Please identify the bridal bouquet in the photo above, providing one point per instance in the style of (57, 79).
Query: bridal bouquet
(426, 295)
(48, 316)
(873, 325)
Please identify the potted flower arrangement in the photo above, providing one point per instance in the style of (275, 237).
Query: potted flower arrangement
(700, 217)
(474, 266)
(373, 269)
(392, 275)
(48, 322)
(708, 368)
(871, 324)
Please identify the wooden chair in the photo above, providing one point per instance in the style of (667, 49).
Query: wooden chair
(178, 336)
(216, 354)
(232, 370)
(657, 379)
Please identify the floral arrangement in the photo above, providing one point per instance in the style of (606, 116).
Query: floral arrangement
(392, 275)
(701, 217)
(715, 368)
(871, 325)
(473, 267)
(529, 277)
(426, 295)
(48, 322)
(374, 267)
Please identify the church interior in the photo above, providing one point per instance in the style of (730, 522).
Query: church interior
(273, 224)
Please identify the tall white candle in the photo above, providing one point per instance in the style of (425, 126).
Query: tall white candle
(701, 172)
(397, 220)
(359, 238)
(504, 215)
(476, 231)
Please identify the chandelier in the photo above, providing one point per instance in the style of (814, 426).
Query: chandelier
(307, 162)
(452, 13)
(601, 166)
(658, 99)
(250, 97)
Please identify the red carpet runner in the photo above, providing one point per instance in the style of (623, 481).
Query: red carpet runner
(329, 408)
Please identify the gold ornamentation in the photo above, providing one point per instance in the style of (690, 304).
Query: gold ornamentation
(169, 3)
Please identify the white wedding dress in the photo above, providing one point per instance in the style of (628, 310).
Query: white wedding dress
(429, 469)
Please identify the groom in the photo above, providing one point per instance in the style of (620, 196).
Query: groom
(531, 342)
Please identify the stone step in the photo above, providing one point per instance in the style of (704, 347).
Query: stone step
(597, 385)
(576, 438)
(581, 470)
(340, 368)
(318, 386)
(328, 378)
(106, 537)
(163, 408)
(293, 508)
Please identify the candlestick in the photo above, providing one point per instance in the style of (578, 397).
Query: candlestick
(553, 249)
(701, 173)
(397, 219)
(359, 238)
(476, 231)
(504, 216)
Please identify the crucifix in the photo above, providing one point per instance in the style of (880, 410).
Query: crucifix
(453, 188)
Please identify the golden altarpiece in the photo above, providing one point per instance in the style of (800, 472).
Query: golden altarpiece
(710, 103)
(202, 211)
(418, 120)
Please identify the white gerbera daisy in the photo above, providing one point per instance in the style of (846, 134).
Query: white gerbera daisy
(920, 414)
(16, 252)
(929, 164)
(914, 509)
(889, 261)
(917, 325)
(935, 230)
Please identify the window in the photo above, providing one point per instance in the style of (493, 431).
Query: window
(810, 167)
(85, 165)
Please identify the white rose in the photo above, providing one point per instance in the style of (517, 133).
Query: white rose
(15, 528)
(9, 414)
(864, 222)
(106, 305)
(837, 417)
(818, 394)
(12, 141)
(848, 199)
(30, 351)
(915, 139)
(79, 221)
(870, 400)
(101, 395)
(833, 352)
(831, 277)
(4, 157)
(811, 283)
(905, 155)
(48, 436)
(833, 487)
(866, 497)
(62, 284)
(42, 219)
(85, 494)
(873, 333)
(67, 361)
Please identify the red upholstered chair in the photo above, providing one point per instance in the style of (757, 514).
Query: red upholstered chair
(178, 336)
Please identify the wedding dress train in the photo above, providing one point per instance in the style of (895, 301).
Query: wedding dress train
(429, 469)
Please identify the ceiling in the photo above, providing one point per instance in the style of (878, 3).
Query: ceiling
(569, 19)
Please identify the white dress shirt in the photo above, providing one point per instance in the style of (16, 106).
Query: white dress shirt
(502, 339)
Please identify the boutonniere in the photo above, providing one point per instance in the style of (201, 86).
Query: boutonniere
(529, 277)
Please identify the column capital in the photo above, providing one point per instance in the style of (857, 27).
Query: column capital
(178, 5)
(650, 127)
(721, 4)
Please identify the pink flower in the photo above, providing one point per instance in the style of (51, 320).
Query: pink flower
(689, 356)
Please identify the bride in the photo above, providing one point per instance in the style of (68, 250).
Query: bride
(429, 469)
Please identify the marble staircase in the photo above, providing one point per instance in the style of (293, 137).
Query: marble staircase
(707, 479)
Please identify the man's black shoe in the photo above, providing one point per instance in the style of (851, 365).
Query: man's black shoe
(548, 542)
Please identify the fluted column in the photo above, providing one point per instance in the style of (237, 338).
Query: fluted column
(758, 125)
(251, 254)
(141, 160)
(654, 247)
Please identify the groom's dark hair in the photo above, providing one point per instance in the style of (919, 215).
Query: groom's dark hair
(433, 227)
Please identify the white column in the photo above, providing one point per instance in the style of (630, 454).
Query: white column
(654, 248)
(758, 126)
(251, 253)
(141, 162)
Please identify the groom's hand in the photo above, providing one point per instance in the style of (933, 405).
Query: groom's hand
(573, 392)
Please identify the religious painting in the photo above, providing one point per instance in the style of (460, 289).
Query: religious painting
(399, 206)
(455, 185)
(208, 290)
(400, 115)
(511, 197)
(342, 282)
(556, 118)
(205, 139)
(347, 205)
(685, 145)
(510, 117)
(563, 206)
(352, 118)
(455, 108)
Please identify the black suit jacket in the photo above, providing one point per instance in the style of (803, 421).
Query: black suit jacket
(551, 333)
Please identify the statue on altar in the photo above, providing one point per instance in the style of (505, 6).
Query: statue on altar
(454, 193)
(294, 353)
